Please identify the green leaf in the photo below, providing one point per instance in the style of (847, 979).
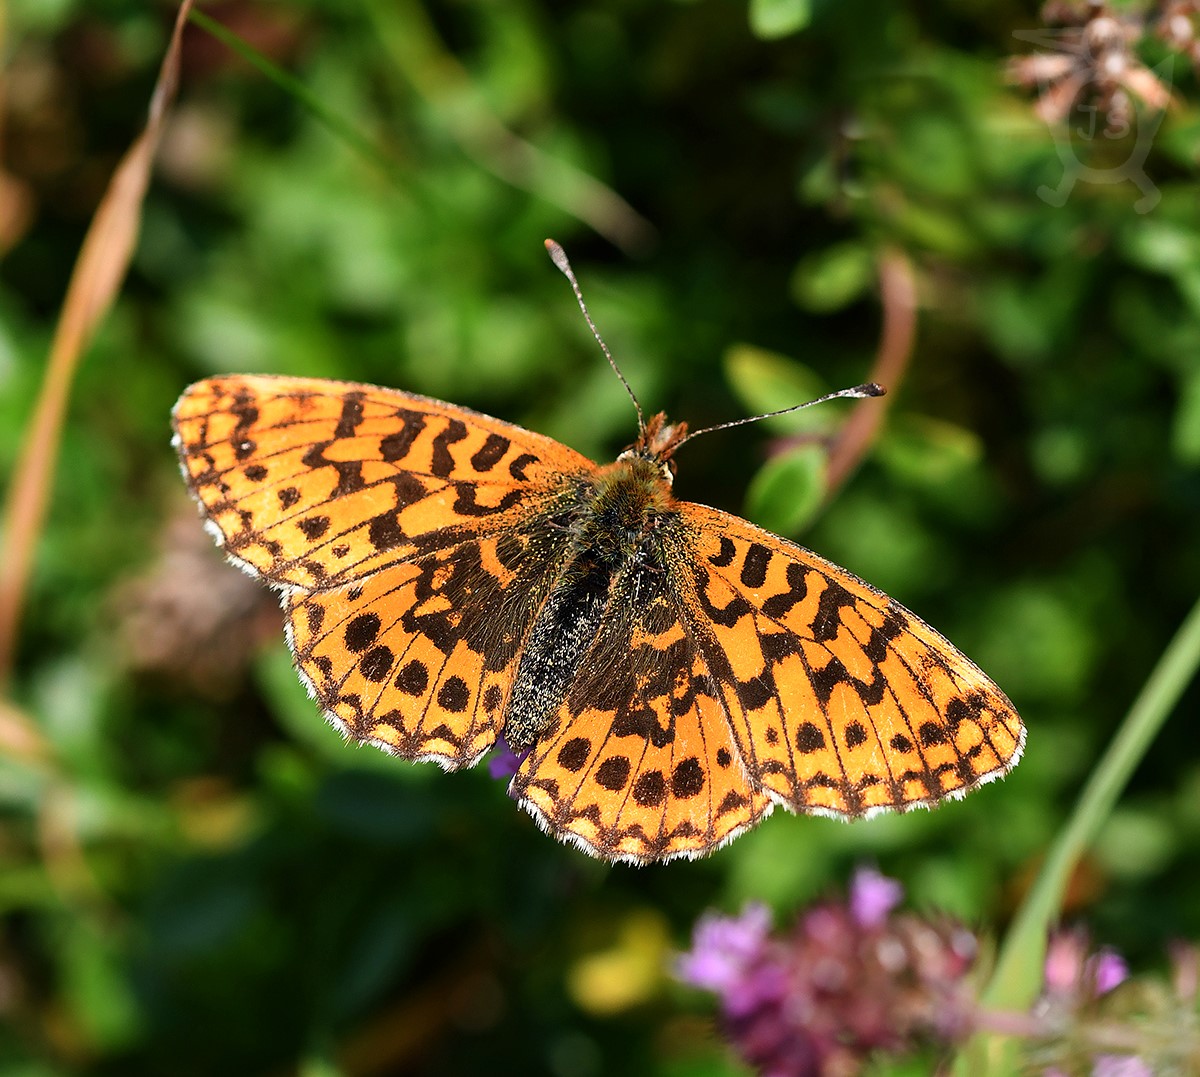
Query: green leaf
(766, 381)
(924, 452)
(777, 18)
(788, 490)
(1186, 434)
(94, 982)
(830, 279)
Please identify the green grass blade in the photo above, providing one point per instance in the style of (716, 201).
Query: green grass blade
(353, 138)
(1018, 974)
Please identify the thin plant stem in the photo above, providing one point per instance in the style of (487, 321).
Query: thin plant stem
(349, 134)
(95, 281)
(898, 297)
(1018, 973)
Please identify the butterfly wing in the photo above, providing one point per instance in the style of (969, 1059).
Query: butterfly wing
(640, 762)
(314, 484)
(419, 659)
(740, 671)
(841, 701)
(408, 536)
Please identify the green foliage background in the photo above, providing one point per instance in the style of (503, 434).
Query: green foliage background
(209, 880)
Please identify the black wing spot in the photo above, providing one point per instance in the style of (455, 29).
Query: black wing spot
(687, 780)
(517, 468)
(442, 465)
(829, 611)
(574, 754)
(855, 735)
(650, 790)
(809, 738)
(931, 733)
(361, 632)
(314, 526)
(724, 556)
(613, 773)
(490, 453)
(395, 447)
(384, 531)
(351, 417)
(754, 565)
(413, 679)
(376, 664)
(454, 695)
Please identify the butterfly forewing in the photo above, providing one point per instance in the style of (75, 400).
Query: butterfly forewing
(842, 702)
(314, 483)
(405, 535)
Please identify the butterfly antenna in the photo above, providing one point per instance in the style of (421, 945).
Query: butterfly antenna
(869, 388)
(559, 257)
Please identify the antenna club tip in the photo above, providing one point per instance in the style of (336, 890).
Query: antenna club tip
(557, 255)
(873, 388)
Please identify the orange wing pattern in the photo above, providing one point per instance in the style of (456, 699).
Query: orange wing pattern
(314, 483)
(420, 659)
(396, 527)
(753, 673)
(672, 672)
(841, 701)
(640, 762)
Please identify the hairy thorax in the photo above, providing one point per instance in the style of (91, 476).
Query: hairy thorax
(619, 510)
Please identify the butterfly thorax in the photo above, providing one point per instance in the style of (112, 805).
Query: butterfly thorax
(620, 508)
(616, 520)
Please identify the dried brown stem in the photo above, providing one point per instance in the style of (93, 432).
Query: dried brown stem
(99, 270)
(898, 295)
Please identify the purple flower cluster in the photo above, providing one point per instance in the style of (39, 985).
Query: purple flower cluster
(850, 979)
(856, 978)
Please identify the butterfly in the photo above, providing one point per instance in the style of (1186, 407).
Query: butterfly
(668, 672)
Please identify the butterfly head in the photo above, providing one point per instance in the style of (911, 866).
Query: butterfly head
(657, 442)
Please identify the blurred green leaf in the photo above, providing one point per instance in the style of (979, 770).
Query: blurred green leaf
(771, 19)
(1136, 843)
(765, 381)
(788, 489)
(94, 981)
(833, 278)
(1186, 429)
(1049, 644)
(921, 451)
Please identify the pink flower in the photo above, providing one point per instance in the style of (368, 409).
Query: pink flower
(850, 978)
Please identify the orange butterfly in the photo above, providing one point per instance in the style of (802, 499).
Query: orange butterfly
(670, 671)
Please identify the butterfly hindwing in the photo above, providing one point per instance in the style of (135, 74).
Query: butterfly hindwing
(640, 763)
(420, 659)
